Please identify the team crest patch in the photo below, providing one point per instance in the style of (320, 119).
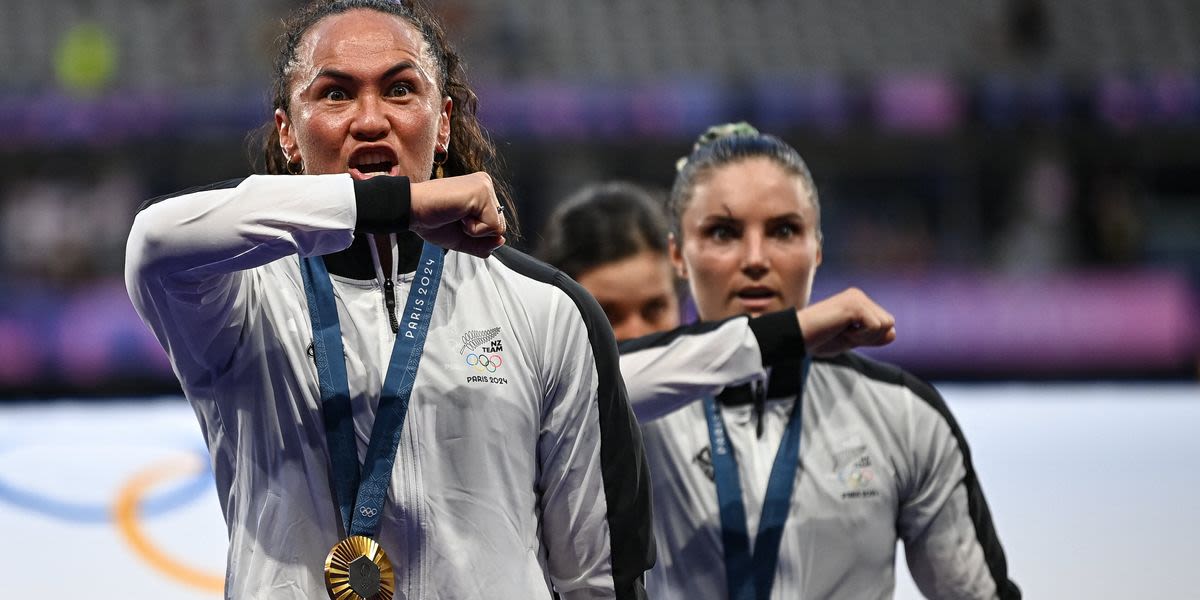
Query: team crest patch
(856, 472)
(474, 339)
(483, 355)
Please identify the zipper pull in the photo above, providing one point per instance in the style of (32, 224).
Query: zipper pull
(760, 405)
(389, 303)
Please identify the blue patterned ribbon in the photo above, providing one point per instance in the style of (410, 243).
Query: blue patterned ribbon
(361, 492)
(750, 574)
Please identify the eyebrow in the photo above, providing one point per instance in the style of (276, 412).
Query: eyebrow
(338, 75)
(792, 216)
(730, 218)
(729, 214)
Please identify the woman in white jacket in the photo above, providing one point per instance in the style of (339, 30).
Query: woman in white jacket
(386, 417)
(785, 466)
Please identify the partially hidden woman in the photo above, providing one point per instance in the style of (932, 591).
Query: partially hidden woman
(784, 465)
(391, 416)
(611, 237)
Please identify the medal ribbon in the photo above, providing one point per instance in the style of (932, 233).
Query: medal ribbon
(751, 574)
(362, 491)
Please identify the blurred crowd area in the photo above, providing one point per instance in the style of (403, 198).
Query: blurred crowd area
(1021, 138)
(223, 43)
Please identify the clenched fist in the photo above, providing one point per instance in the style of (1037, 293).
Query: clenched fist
(845, 321)
(459, 213)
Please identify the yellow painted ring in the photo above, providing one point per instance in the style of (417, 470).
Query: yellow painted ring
(127, 513)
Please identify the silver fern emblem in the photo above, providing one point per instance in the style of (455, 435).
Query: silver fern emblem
(477, 337)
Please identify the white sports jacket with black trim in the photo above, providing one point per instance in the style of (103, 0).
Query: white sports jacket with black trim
(881, 460)
(521, 475)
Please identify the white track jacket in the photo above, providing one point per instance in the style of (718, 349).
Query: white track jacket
(520, 476)
(881, 460)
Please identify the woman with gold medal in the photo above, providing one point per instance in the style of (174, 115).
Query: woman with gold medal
(396, 405)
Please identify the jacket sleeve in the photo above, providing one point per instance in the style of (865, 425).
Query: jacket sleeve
(949, 539)
(666, 371)
(189, 255)
(593, 483)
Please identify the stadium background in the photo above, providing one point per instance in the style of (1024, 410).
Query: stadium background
(1016, 180)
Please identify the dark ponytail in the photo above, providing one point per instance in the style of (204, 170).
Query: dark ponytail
(603, 223)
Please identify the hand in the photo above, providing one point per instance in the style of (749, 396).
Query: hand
(844, 321)
(459, 213)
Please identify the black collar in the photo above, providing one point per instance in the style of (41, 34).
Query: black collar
(355, 262)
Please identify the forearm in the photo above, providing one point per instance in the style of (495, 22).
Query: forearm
(188, 255)
(665, 372)
(262, 219)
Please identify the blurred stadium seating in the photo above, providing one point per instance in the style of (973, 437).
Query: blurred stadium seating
(1033, 158)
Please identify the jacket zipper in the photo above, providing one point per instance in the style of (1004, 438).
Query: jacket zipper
(759, 390)
(389, 303)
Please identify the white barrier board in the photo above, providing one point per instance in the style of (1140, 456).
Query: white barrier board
(1092, 488)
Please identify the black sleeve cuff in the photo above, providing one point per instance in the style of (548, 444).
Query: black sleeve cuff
(384, 203)
(779, 337)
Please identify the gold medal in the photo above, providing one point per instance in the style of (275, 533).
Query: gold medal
(358, 569)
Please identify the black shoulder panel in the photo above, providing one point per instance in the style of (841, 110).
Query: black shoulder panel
(220, 185)
(622, 463)
(981, 516)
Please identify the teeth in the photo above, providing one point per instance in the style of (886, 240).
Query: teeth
(372, 157)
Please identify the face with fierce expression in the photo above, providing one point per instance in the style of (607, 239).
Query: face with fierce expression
(364, 99)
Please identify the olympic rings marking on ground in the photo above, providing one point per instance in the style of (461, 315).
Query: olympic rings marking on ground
(485, 362)
(76, 512)
(127, 511)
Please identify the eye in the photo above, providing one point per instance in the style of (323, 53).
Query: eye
(336, 94)
(785, 231)
(654, 310)
(614, 313)
(399, 90)
(720, 232)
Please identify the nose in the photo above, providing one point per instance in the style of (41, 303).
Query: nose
(755, 263)
(369, 123)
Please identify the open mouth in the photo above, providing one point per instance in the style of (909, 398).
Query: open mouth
(755, 300)
(756, 293)
(370, 162)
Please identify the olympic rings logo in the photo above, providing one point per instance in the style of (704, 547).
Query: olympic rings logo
(132, 505)
(485, 362)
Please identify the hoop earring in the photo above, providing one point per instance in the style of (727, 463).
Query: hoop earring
(295, 168)
(439, 158)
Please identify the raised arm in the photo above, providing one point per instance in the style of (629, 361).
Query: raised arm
(188, 254)
(666, 371)
(241, 224)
